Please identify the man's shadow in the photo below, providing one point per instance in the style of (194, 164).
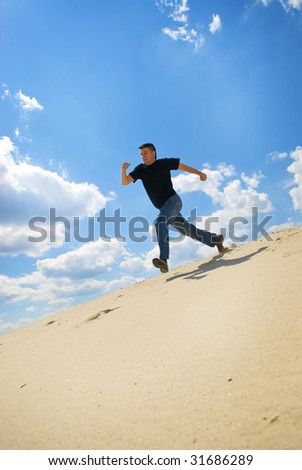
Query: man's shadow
(214, 263)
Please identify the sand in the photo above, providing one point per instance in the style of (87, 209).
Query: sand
(207, 356)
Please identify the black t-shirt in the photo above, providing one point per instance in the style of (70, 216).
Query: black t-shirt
(156, 179)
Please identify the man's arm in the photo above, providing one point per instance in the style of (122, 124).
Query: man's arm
(126, 179)
(190, 169)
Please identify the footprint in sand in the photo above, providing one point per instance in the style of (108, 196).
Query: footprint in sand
(100, 314)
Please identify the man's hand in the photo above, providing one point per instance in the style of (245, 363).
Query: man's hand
(202, 176)
(125, 166)
(126, 179)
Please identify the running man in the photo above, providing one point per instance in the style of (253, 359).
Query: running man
(156, 178)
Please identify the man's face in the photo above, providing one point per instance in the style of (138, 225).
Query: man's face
(148, 156)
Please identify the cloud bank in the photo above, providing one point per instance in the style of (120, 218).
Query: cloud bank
(28, 191)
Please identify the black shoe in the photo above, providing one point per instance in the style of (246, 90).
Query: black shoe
(161, 264)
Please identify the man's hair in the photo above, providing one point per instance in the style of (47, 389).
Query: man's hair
(149, 146)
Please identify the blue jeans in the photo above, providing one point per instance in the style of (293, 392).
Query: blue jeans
(169, 213)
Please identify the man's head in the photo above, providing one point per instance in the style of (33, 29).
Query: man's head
(148, 153)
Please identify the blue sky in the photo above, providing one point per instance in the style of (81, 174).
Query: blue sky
(83, 84)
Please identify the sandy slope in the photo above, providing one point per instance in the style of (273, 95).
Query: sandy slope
(205, 357)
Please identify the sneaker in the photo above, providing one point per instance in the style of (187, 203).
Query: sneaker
(161, 264)
(219, 244)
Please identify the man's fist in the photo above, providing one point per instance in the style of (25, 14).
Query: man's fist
(125, 166)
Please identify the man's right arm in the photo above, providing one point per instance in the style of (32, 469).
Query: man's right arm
(126, 179)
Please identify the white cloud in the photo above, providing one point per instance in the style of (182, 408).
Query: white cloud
(30, 309)
(264, 2)
(277, 155)
(284, 226)
(134, 264)
(63, 292)
(6, 147)
(27, 103)
(254, 180)
(289, 5)
(12, 291)
(89, 260)
(185, 250)
(162, 4)
(5, 92)
(143, 263)
(7, 326)
(14, 240)
(236, 197)
(48, 295)
(184, 182)
(185, 35)
(238, 200)
(180, 14)
(216, 24)
(296, 169)
(28, 191)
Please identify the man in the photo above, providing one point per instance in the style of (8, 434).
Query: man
(156, 178)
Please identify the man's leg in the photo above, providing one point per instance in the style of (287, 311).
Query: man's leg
(208, 238)
(166, 216)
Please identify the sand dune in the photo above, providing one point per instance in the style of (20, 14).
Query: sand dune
(207, 356)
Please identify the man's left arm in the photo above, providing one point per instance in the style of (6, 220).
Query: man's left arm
(190, 169)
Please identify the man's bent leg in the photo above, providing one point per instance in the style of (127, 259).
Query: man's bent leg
(203, 236)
